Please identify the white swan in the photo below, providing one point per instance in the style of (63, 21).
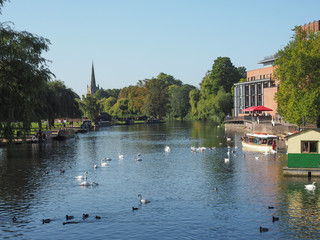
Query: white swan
(310, 187)
(82, 176)
(226, 160)
(85, 183)
(143, 200)
(167, 149)
(104, 164)
(121, 156)
(228, 139)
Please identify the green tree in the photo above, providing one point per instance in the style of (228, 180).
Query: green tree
(194, 96)
(120, 109)
(298, 69)
(179, 100)
(23, 75)
(156, 98)
(101, 93)
(90, 107)
(107, 104)
(168, 79)
(223, 74)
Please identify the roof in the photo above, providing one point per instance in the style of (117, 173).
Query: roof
(305, 131)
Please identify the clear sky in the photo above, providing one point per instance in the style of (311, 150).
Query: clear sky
(131, 40)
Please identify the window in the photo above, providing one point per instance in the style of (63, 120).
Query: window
(309, 147)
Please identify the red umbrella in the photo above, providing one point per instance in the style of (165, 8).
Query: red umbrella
(256, 109)
(262, 108)
(249, 109)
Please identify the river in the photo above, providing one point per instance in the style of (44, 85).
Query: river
(180, 185)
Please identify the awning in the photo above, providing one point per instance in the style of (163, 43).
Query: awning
(256, 109)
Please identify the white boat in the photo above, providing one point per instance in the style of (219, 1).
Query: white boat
(261, 142)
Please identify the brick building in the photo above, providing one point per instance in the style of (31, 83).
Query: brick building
(260, 87)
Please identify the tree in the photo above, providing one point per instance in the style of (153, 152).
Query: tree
(90, 107)
(156, 98)
(101, 93)
(107, 104)
(23, 74)
(179, 100)
(298, 69)
(194, 96)
(120, 109)
(223, 74)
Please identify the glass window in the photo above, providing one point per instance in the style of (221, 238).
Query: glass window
(309, 147)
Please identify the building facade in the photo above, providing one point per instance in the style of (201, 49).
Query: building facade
(93, 87)
(259, 89)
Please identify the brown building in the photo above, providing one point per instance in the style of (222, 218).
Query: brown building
(260, 87)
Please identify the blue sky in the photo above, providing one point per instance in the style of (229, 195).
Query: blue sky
(131, 40)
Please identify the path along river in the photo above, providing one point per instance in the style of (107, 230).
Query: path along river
(179, 183)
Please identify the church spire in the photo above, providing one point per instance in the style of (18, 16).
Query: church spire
(93, 87)
(93, 79)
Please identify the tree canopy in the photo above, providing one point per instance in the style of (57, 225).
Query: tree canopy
(298, 69)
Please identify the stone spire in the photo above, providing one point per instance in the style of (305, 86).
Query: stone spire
(93, 79)
(93, 87)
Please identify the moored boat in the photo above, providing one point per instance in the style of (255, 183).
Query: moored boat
(64, 134)
(261, 142)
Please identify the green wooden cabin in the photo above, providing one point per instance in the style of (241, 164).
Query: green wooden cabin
(303, 149)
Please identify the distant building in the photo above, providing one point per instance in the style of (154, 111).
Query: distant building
(258, 90)
(260, 87)
(93, 87)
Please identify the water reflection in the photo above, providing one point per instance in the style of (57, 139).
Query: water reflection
(180, 185)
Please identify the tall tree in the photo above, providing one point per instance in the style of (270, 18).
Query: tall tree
(298, 69)
(156, 98)
(23, 73)
(179, 100)
(90, 107)
(223, 74)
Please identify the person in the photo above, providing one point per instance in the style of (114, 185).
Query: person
(273, 145)
(258, 120)
(272, 121)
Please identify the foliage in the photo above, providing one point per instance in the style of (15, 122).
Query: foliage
(298, 69)
(101, 93)
(223, 74)
(107, 104)
(23, 75)
(90, 107)
(156, 98)
(120, 109)
(215, 98)
(194, 96)
(179, 100)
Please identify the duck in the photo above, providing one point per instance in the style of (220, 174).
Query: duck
(135, 208)
(121, 156)
(95, 166)
(275, 218)
(262, 229)
(98, 217)
(311, 187)
(167, 149)
(81, 176)
(14, 219)
(84, 216)
(270, 207)
(215, 189)
(143, 200)
(138, 159)
(62, 171)
(69, 217)
(46, 221)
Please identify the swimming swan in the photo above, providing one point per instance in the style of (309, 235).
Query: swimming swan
(82, 176)
(121, 156)
(310, 187)
(167, 149)
(143, 200)
(104, 164)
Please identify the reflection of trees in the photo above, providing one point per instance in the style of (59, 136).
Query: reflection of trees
(303, 210)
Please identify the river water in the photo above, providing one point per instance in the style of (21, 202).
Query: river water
(180, 185)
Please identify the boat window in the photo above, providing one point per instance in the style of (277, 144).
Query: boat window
(309, 147)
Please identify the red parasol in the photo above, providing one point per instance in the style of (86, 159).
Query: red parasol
(256, 109)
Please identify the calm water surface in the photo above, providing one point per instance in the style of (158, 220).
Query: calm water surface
(180, 185)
